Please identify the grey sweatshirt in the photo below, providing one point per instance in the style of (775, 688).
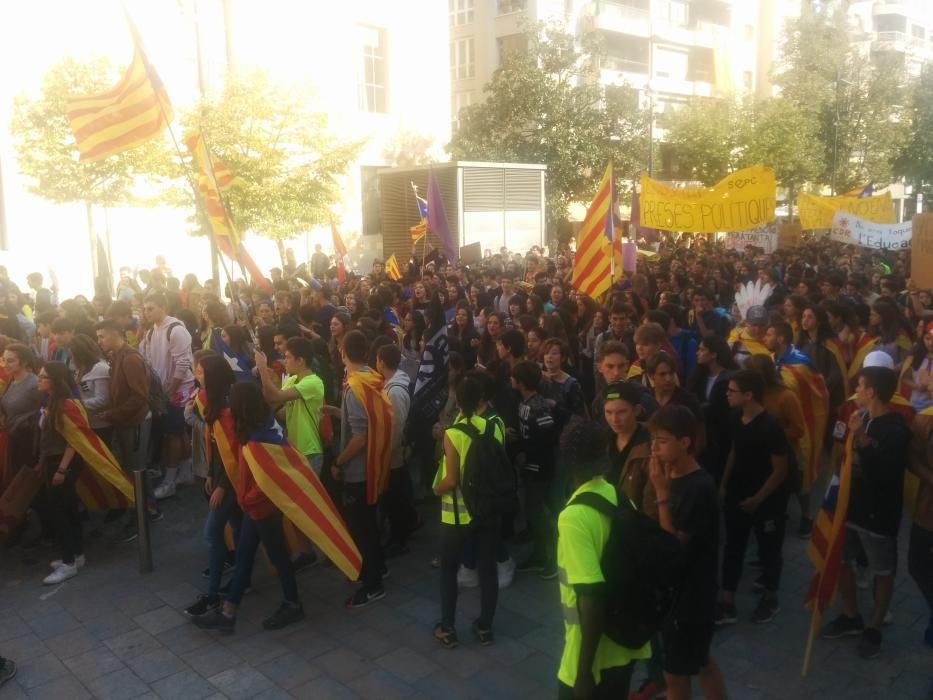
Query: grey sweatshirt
(396, 390)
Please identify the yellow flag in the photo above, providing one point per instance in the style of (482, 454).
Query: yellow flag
(817, 212)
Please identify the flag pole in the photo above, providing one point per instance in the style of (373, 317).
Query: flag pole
(814, 626)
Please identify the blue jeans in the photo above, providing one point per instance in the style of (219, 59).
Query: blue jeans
(267, 531)
(217, 519)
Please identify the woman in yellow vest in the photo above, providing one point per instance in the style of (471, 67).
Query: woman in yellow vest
(457, 524)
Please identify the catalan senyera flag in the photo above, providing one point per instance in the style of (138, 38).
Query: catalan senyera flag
(592, 266)
(135, 110)
(826, 540)
(366, 387)
(835, 349)
(287, 479)
(102, 484)
(391, 268)
(801, 377)
(419, 230)
(864, 345)
(224, 437)
(340, 252)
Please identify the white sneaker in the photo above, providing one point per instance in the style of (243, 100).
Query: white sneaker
(506, 572)
(79, 562)
(62, 573)
(164, 490)
(185, 474)
(467, 578)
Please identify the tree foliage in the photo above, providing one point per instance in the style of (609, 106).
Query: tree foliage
(408, 149)
(544, 104)
(703, 135)
(915, 160)
(46, 151)
(288, 162)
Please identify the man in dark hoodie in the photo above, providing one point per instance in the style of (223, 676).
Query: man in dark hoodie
(881, 444)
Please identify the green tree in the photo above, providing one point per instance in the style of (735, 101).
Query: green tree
(544, 104)
(289, 164)
(915, 161)
(703, 137)
(855, 101)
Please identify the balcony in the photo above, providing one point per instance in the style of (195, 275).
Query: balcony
(900, 42)
(625, 19)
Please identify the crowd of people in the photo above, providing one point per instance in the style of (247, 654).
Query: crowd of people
(710, 388)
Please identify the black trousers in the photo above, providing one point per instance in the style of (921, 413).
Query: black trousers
(399, 506)
(63, 505)
(267, 532)
(768, 524)
(453, 540)
(363, 527)
(613, 684)
(920, 561)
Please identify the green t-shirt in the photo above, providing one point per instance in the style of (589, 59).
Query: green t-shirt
(302, 416)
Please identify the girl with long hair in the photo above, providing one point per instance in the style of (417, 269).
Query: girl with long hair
(564, 389)
(237, 341)
(817, 341)
(890, 328)
(92, 375)
(462, 335)
(19, 405)
(495, 325)
(919, 378)
(213, 318)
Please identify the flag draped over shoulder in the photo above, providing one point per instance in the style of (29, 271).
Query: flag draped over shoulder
(240, 362)
(224, 438)
(102, 484)
(367, 389)
(864, 345)
(287, 480)
(799, 375)
(825, 546)
(754, 347)
(135, 110)
(592, 267)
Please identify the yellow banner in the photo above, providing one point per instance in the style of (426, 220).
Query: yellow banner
(817, 212)
(743, 200)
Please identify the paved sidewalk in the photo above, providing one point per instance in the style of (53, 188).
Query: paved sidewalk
(113, 633)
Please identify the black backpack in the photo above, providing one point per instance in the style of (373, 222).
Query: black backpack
(489, 484)
(644, 568)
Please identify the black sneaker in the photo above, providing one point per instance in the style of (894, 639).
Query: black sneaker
(7, 670)
(155, 515)
(766, 609)
(844, 626)
(216, 620)
(869, 646)
(530, 565)
(130, 533)
(204, 604)
(362, 598)
(286, 614)
(805, 528)
(725, 614)
(304, 561)
(484, 637)
(447, 637)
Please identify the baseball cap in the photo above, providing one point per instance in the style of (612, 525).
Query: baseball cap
(878, 358)
(757, 316)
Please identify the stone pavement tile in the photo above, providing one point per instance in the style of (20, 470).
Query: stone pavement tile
(444, 684)
(425, 610)
(184, 685)
(255, 648)
(12, 691)
(34, 609)
(94, 663)
(370, 643)
(241, 682)
(138, 603)
(273, 693)
(420, 637)
(184, 638)
(12, 626)
(53, 624)
(69, 644)
(37, 670)
(913, 685)
(88, 606)
(515, 624)
(179, 595)
(119, 685)
(384, 619)
(504, 683)
(324, 688)
(156, 664)
(109, 625)
(131, 644)
(64, 688)
(27, 646)
(380, 685)
(508, 651)
(343, 664)
(462, 661)
(309, 643)
(540, 668)
(550, 642)
(212, 659)
(289, 670)
(160, 619)
(407, 664)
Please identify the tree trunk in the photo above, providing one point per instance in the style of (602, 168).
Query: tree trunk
(92, 241)
(790, 205)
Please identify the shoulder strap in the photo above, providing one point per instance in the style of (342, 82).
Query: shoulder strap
(467, 428)
(168, 331)
(595, 501)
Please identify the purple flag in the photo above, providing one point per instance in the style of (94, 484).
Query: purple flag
(437, 219)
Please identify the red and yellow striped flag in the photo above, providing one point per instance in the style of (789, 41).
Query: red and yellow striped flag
(340, 252)
(592, 266)
(221, 430)
(213, 178)
(814, 400)
(134, 111)
(287, 480)
(102, 484)
(367, 390)
(864, 345)
(391, 267)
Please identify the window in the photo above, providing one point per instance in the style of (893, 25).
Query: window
(462, 61)
(510, 43)
(373, 70)
(625, 53)
(701, 64)
(507, 6)
(917, 31)
(670, 63)
(458, 102)
(890, 23)
(674, 11)
(461, 12)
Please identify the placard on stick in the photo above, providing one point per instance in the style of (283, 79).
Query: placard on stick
(471, 254)
(789, 235)
(921, 257)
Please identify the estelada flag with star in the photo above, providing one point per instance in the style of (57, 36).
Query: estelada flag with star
(102, 485)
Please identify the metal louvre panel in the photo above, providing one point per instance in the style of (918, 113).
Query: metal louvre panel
(522, 190)
(483, 189)
(400, 211)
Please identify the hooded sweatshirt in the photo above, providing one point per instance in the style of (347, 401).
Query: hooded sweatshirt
(396, 390)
